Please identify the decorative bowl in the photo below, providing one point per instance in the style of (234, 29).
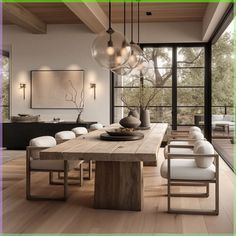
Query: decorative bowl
(121, 132)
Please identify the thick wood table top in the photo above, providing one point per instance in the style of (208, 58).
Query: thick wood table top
(91, 147)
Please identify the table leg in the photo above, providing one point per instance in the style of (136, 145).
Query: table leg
(119, 185)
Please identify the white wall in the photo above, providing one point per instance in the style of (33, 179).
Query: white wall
(68, 47)
(63, 47)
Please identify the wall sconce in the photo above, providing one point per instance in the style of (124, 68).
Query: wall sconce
(94, 90)
(23, 86)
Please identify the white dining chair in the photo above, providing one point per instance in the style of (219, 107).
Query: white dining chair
(35, 164)
(185, 169)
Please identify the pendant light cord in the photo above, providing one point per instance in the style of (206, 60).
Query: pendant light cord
(132, 22)
(124, 18)
(138, 22)
(110, 30)
(109, 14)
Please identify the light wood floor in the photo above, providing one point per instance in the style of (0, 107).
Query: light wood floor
(78, 216)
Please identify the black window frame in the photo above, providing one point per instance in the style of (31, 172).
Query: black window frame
(207, 83)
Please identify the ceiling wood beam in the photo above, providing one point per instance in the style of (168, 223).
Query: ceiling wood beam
(213, 15)
(91, 14)
(17, 14)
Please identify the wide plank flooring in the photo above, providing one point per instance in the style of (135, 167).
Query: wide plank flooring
(77, 215)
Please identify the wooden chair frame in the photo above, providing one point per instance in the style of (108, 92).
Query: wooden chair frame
(184, 140)
(179, 182)
(29, 196)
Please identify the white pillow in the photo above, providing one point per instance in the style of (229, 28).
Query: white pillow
(197, 144)
(194, 128)
(204, 148)
(196, 135)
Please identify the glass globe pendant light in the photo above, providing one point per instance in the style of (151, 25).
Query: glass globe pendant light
(109, 48)
(124, 69)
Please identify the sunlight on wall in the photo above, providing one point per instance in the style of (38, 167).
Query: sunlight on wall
(73, 67)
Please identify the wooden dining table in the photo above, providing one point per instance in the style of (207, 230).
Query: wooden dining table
(119, 164)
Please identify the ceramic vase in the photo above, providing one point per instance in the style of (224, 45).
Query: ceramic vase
(130, 122)
(145, 118)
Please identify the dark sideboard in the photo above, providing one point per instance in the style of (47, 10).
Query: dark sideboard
(16, 136)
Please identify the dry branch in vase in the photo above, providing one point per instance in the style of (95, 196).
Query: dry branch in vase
(72, 97)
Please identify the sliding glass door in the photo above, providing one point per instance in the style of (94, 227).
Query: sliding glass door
(190, 86)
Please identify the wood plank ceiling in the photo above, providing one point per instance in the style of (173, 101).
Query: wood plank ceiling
(160, 12)
(59, 13)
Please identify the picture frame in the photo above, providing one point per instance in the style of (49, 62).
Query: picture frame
(53, 89)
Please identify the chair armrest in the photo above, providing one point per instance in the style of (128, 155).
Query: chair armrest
(179, 131)
(179, 146)
(175, 136)
(191, 156)
(181, 140)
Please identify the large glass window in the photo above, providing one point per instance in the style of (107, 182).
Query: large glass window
(5, 74)
(223, 122)
(190, 84)
(177, 70)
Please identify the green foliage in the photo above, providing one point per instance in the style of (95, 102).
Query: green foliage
(5, 88)
(190, 72)
(222, 71)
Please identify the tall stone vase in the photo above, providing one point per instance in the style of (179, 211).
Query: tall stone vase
(145, 118)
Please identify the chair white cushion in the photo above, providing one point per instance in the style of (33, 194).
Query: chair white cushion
(186, 169)
(194, 128)
(204, 148)
(53, 165)
(96, 126)
(64, 135)
(177, 151)
(43, 141)
(80, 130)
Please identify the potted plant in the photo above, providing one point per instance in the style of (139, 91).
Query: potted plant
(140, 97)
